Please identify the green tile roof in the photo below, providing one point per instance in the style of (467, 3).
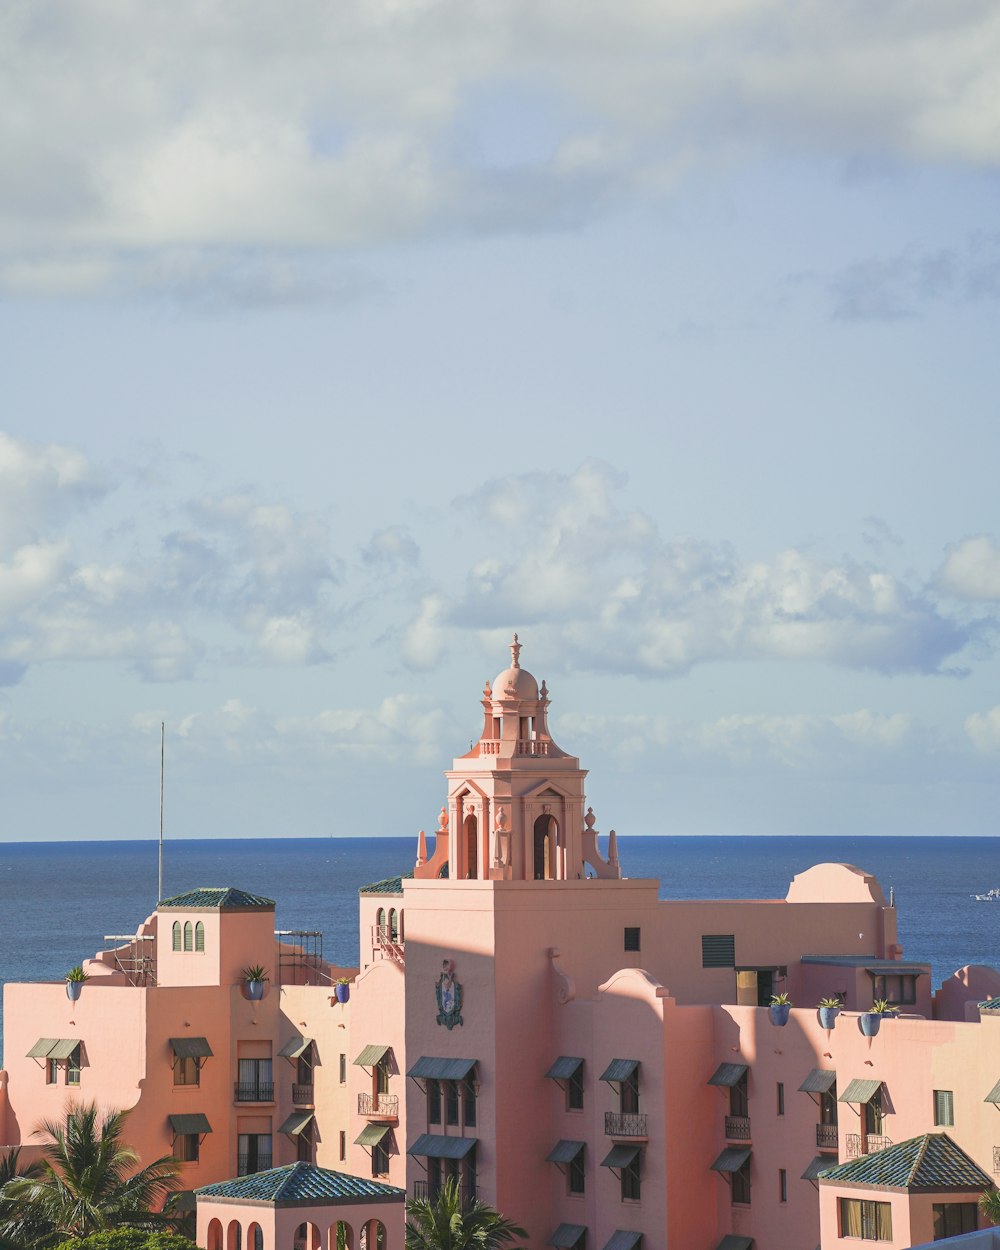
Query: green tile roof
(931, 1161)
(302, 1182)
(991, 1004)
(219, 898)
(388, 885)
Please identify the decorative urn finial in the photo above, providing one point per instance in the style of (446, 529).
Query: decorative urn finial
(515, 653)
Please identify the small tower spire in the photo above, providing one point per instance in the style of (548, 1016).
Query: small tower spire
(515, 653)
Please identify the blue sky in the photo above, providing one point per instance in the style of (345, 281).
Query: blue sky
(336, 347)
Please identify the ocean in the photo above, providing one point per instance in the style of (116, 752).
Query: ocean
(59, 899)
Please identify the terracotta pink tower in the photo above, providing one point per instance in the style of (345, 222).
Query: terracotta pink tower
(515, 806)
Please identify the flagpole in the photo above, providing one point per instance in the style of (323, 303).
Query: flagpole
(159, 894)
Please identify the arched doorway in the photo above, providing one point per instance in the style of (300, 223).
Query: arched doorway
(471, 828)
(546, 831)
(215, 1235)
(306, 1237)
(341, 1236)
(373, 1236)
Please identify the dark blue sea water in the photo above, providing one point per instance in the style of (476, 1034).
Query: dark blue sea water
(59, 899)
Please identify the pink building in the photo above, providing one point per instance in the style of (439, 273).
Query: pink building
(600, 1064)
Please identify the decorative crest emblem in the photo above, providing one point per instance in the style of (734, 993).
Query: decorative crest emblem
(449, 996)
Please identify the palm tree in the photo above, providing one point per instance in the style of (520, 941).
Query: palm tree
(89, 1181)
(16, 1231)
(443, 1224)
(989, 1204)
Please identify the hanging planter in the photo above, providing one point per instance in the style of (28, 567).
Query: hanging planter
(871, 1022)
(829, 1010)
(253, 980)
(780, 1009)
(74, 982)
(342, 989)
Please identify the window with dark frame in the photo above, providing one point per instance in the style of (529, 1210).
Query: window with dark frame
(187, 1147)
(469, 1101)
(574, 1091)
(944, 1107)
(873, 1114)
(51, 1071)
(575, 1175)
(187, 1070)
(631, 1180)
(433, 1102)
(899, 990)
(781, 1098)
(450, 1102)
(951, 1218)
(73, 1067)
(343, 1145)
(782, 1185)
(740, 1195)
(628, 1098)
(739, 1102)
(343, 1069)
(631, 939)
(380, 1159)
(864, 1219)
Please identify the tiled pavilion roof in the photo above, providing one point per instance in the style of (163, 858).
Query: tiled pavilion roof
(388, 885)
(222, 898)
(302, 1182)
(931, 1161)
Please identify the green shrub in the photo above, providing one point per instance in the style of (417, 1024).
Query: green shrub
(129, 1239)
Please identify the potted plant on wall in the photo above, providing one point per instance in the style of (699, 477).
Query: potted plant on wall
(829, 1010)
(342, 988)
(871, 1020)
(780, 1007)
(74, 982)
(254, 977)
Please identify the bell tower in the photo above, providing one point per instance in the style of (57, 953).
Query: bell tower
(515, 805)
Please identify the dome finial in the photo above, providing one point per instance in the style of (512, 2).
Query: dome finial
(515, 653)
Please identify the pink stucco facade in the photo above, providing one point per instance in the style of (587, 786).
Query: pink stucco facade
(594, 1060)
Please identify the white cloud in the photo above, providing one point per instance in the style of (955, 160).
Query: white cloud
(971, 569)
(983, 729)
(423, 642)
(234, 125)
(603, 590)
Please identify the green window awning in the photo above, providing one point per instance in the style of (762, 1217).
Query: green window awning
(296, 1123)
(860, 1091)
(372, 1134)
(430, 1068)
(434, 1146)
(621, 1156)
(371, 1055)
(619, 1070)
(819, 1164)
(63, 1048)
(819, 1081)
(295, 1048)
(564, 1151)
(729, 1074)
(731, 1159)
(623, 1239)
(41, 1048)
(186, 1124)
(191, 1047)
(732, 1242)
(567, 1235)
(564, 1068)
(994, 1095)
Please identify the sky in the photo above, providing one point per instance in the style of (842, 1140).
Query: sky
(339, 341)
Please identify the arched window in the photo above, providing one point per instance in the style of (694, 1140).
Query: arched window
(341, 1236)
(188, 936)
(471, 828)
(234, 1237)
(215, 1235)
(255, 1237)
(545, 848)
(373, 1236)
(380, 921)
(393, 925)
(402, 936)
(176, 938)
(199, 936)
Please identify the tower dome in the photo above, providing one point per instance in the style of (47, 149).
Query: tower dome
(515, 682)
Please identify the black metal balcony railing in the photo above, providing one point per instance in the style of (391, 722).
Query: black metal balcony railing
(386, 1105)
(738, 1127)
(245, 1164)
(624, 1124)
(859, 1144)
(826, 1136)
(428, 1192)
(253, 1091)
(302, 1095)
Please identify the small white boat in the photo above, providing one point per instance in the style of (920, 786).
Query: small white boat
(991, 896)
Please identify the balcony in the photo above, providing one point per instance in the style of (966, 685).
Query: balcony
(826, 1136)
(738, 1127)
(255, 1091)
(859, 1144)
(302, 1095)
(246, 1164)
(379, 1106)
(625, 1124)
